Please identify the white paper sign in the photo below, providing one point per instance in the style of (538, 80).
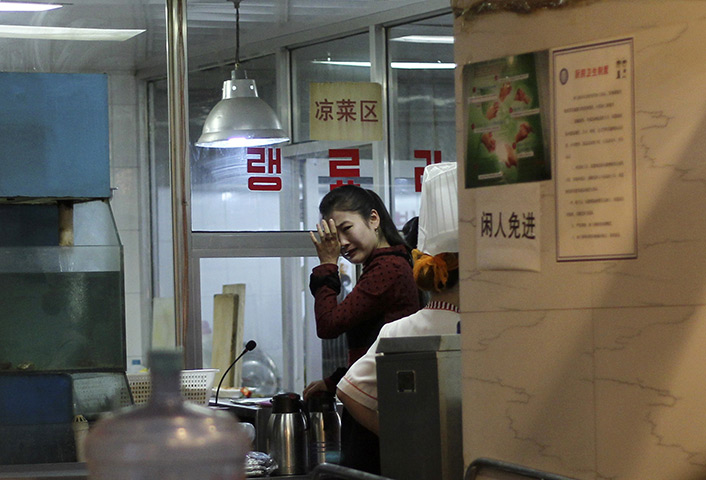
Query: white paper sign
(507, 234)
(594, 145)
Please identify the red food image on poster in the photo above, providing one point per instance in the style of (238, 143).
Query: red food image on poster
(511, 160)
(523, 132)
(505, 91)
(521, 96)
(488, 140)
(492, 111)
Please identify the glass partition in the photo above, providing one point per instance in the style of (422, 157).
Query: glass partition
(214, 172)
(421, 107)
(244, 189)
(63, 306)
(263, 315)
(275, 302)
(342, 60)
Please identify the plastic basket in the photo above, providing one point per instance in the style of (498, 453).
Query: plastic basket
(196, 385)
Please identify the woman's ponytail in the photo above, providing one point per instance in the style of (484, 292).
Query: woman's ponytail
(435, 273)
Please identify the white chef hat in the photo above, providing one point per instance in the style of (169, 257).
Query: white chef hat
(438, 213)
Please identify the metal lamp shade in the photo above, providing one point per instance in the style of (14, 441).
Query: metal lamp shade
(241, 119)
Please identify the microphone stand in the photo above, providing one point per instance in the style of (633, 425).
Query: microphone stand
(248, 347)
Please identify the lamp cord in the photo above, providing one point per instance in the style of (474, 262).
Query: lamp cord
(237, 33)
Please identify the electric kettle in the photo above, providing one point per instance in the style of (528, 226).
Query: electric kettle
(287, 430)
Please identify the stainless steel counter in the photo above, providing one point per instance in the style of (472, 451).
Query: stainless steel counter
(255, 412)
(66, 471)
(78, 471)
(70, 471)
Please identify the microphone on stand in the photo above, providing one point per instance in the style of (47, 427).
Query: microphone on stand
(248, 347)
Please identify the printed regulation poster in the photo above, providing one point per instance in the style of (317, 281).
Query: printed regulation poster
(594, 136)
(505, 143)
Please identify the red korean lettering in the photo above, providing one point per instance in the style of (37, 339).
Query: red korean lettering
(418, 174)
(265, 184)
(348, 164)
(344, 162)
(419, 171)
(274, 156)
(261, 160)
(256, 164)
(339, 183)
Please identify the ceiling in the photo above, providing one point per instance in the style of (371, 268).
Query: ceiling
(264, 24)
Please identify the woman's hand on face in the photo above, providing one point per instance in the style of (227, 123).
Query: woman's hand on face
(328, 248)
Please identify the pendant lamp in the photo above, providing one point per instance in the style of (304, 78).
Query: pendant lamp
(241, 118)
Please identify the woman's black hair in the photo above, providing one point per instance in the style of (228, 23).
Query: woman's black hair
(410, 232)
(352, 198)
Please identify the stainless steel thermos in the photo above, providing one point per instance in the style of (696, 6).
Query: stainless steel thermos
(324, 430)
(287, 430)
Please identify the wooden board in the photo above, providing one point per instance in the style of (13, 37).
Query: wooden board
(228, 313)
(163, 323)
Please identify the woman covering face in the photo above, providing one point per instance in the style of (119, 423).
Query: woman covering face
(435, 271)
(356, 224)
(348, 234)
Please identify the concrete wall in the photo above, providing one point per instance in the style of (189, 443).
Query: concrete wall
(595, 370)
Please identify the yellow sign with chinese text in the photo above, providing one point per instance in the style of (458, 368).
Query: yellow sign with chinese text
(345, 111)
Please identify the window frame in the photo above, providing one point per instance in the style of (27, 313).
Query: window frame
(288, 245)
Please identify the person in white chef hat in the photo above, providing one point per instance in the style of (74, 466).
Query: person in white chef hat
(436, 271)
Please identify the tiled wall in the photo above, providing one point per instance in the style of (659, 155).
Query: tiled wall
(595, 370)
(129, 176)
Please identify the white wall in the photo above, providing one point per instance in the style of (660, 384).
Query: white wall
(595, 370)
(129, 177)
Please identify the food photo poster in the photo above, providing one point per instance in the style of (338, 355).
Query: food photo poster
(505, 120)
